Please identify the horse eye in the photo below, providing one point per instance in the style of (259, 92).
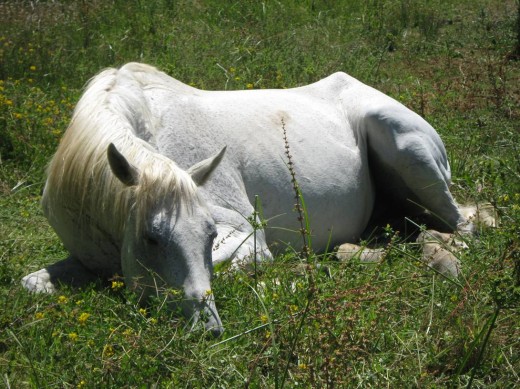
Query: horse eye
(151, 240)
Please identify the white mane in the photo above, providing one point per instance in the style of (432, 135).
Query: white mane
(79, 177)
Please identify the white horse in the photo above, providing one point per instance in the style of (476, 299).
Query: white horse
(121, 205)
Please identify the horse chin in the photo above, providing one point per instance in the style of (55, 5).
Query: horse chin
(213, 325)
(203, 314)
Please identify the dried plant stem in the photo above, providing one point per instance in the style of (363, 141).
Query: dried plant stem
(297, 196)
(301, 211)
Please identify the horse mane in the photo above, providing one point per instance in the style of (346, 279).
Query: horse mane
(79, 178)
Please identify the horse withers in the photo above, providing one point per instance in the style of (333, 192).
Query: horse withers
(127, 194)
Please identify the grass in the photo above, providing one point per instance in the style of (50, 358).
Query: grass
(389, 324)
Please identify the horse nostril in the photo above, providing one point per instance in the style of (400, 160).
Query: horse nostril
(216, 331)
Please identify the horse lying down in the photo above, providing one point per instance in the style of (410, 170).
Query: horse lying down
(140, 185)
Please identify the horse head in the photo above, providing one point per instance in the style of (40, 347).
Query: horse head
(168, 237)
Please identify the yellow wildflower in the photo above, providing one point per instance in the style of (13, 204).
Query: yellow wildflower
(264, 319)
(73, 336)
(175, 292)
(142, 311)
(116, 285)
(83, 318)
(39, 315)
(62, 299)
(32, 68)
(249, 85)
(108, 351)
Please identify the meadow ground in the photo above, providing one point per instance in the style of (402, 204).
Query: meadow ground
(390, 324)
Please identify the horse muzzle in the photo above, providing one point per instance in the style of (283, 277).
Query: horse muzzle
(204, 312)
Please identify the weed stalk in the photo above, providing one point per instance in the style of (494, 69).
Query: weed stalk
(304, 232)
(490, 324)
(255, 228)
(303, 219)
(483, 346)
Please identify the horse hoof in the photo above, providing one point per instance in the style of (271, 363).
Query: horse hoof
(436, 255)
(348, 251)
(442, 260)
(479, 215)
(38, 282)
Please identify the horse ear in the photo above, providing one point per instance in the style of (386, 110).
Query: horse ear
(201, 171)
(122, 169)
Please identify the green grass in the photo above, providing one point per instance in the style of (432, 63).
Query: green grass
(386, 325)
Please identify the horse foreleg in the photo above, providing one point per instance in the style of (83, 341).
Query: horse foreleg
(69, 271)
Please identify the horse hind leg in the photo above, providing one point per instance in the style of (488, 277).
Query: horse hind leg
(437, 252)
(69, 271)
(408, 161)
